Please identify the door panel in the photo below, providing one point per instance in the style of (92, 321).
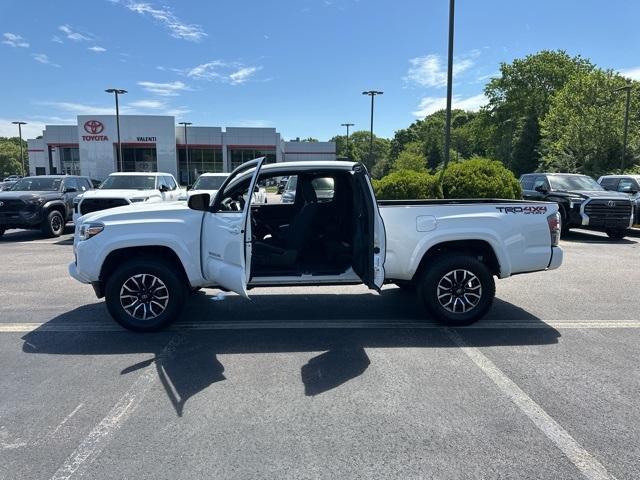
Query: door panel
(370, 236)
(226, 235)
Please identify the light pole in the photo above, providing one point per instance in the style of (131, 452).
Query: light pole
(116, 92)
(347, 125)
(186, 149)
(21, 152)
(447, 127)
(372, 94)
(627, 88)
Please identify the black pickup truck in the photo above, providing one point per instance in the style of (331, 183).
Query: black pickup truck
(43, 202)
(583, 202)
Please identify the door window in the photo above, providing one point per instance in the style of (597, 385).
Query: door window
(171, 184)
(71, 183)
(540, 181)
(609, 183)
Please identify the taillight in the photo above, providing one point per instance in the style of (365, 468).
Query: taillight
(554, 228)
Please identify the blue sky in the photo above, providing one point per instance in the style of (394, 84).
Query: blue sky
(297, 65)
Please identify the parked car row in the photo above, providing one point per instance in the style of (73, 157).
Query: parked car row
(585, 203)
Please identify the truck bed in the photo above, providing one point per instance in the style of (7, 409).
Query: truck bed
(451, 201)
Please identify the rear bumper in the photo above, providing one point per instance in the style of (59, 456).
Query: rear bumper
(557, 256)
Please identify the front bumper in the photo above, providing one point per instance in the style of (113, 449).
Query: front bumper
(20, 219)
(557, 255)
(74, 273)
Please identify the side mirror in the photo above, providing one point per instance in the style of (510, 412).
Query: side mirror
(163, 188)
(256, 189)
(70, 190)
(629, 189)
(541, 189)
(199, 202)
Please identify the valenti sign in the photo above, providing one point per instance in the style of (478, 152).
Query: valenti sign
(94, 128)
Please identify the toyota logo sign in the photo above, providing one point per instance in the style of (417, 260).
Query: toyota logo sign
(94, 127)
(611, 203)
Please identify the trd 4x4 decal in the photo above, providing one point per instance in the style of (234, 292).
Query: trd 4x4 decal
(527, 210)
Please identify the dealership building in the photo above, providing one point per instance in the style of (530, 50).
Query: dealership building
(156, 143)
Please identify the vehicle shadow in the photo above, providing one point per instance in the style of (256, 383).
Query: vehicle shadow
(186, 357)
(587, 236)
(29, 235)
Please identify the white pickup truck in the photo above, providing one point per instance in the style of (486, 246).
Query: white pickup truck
(145, 262)
(125, 188)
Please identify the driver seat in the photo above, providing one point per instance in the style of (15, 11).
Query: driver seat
(284, 249)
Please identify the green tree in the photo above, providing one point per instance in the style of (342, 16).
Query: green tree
(521, 96)
(583, 131)
(480, 178)
(10, 156)
(411, 158)
(359, 148)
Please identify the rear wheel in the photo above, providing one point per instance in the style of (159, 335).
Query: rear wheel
(145, 295)
(53, 225)
(564, 222)
(616, 233)
(457, 290)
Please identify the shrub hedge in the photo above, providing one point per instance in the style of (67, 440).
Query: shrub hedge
(473, 178)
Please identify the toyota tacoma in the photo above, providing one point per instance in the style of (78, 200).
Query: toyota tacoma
(146, 261)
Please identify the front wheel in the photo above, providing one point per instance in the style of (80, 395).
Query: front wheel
(53, 225)
(457, 290)
(617, 233)
(145, 295)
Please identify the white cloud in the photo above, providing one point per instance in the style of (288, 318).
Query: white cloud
(429, 105)
(430, 70)
(165, 16)
(148, 104)
(242, 75)
(73, 35)
(217, 70)
(97, 49)
(14, 40)
(32, 129)
(44, 59)
(170, 89)
(632, 73)
(56, 39)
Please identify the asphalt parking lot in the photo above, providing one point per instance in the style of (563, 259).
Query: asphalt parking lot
(324, 382)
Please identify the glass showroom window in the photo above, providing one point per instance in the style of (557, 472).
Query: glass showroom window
(240, 156)
(139, 159)
(202, 160)
(70, 160)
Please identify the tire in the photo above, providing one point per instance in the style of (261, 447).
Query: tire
(2, 230)
(53, 225)
(617, 233)
(466, 308)
(163, 294)
(564, 223)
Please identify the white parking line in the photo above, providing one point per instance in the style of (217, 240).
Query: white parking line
(583, 460)
(318, 324)
(100, 436)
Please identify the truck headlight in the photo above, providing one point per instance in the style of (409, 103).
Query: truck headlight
(88, 230)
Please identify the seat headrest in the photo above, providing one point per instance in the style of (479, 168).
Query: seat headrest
(308, 192)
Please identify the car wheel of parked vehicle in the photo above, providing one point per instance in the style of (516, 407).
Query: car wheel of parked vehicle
(564, 222)
(617, 233)
(145, 295)
(457, 290)
(2, 232)
(53, 226)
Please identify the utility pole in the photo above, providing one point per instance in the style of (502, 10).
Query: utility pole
(447, 128)
(186, 147)
(347, 125)
(627, 88)
(372, 94)
(116, 92)
(21, 152)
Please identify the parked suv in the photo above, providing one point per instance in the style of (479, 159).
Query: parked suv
(582, 201)
(629, 184)
(44, 202)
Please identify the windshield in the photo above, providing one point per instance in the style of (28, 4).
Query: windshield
(37, 185)
(209, 182)
(577, 182)
(129, 182)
